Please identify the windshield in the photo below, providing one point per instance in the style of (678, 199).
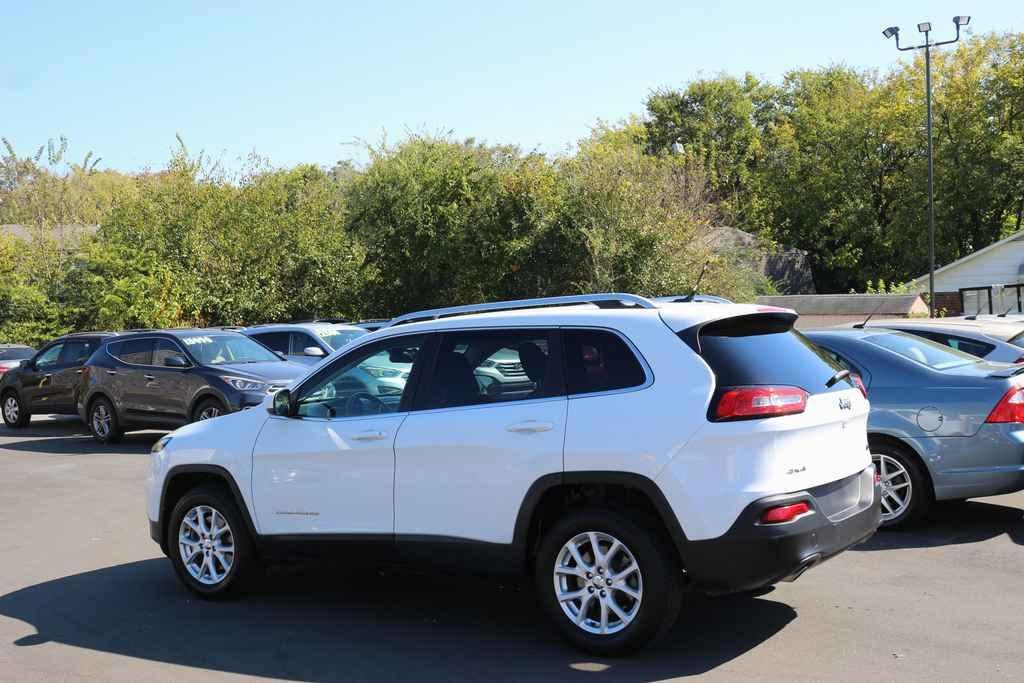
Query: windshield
(338, 338)
(220, 349)
(17, 353)
(923, 351)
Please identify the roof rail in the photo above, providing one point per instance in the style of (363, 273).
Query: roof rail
(613, 300)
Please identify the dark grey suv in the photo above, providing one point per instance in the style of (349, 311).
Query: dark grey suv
(166, 378)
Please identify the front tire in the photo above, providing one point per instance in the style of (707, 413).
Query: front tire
(609, 583)
(208, 543)
(906, 493)
(103, 421)
(15, 413)
(208, 409)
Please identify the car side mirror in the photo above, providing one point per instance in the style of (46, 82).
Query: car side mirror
(284, 404)
(27, 363)
(176, 361)
(314, 351)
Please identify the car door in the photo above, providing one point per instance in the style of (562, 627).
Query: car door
(67, 374)
(37, 387)
(331, 469)
(480, 435)
(168, 389)
(130, 379)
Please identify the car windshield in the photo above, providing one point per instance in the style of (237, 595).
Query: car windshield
(221, 349)
(923, 351)
(16, 353)
(338, 338)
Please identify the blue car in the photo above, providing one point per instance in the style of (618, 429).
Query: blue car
(944, 425)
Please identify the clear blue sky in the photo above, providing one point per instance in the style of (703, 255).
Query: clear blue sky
(301, 81)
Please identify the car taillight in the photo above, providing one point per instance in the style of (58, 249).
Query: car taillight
(859, 381)
(784, 513)
(748, 402)
(1010, 407)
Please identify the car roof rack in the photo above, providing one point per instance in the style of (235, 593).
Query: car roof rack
(613, 300)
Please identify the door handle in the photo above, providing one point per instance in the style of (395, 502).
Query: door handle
(111, 372)
(148, 377)
(369, 435)
(530, 427)
(78, 371)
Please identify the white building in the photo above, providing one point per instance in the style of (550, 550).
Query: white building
(991, 280)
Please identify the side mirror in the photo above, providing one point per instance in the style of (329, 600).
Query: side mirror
(27, 363)
(283, 404)
(314, 351)
(176, 361)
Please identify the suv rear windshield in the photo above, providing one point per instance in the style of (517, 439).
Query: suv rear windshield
(765, 350)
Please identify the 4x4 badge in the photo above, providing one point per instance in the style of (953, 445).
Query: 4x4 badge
(844, 404)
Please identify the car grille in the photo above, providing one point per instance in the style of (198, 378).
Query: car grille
(511, 369)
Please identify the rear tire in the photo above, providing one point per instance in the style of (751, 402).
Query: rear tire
(103, 421)
(14, 411)
(907, 494)
(622, 600)
(208, 543)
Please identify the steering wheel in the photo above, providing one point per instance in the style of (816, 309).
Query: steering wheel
(364, 403)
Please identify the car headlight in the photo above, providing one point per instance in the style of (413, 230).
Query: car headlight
(243, 384)
(161, 444)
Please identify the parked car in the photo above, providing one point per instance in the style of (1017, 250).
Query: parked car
(11, 355)
(306, 343)
(166, 378)
(601, 481)
(944, 425)
(983, 340)
(46, 383)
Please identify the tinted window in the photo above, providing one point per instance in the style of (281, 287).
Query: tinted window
(77, 352)
(49, 356)
(370, 381)
(596, 360)
(921, 351)
(164, 349)
(16, 353)
(278, 341)
(300, 342)
(338, 338)
(765, 350)
(135, 351)
(971, 346)
(475, 368)
(220, 349)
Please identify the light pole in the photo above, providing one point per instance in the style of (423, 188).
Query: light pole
(926, 28)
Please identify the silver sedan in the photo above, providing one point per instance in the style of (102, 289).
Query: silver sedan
(944, 425)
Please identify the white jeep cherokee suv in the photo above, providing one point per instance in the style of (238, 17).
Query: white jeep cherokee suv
(656, 443)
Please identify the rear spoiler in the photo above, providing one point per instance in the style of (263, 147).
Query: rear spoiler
(769, 319)
(1011, 371)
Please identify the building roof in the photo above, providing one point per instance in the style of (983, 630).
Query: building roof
(923, 280)
(849, 304)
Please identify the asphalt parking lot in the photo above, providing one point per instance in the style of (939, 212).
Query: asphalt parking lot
(84, 593)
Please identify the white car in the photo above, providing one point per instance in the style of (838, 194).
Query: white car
(658, 443)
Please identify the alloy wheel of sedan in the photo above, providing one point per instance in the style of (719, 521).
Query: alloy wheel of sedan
(101, 420)
(897, 487)
(11, 409)
(206, 544)
(598, 583)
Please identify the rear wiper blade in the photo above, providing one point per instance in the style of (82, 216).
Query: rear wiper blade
(841, 374)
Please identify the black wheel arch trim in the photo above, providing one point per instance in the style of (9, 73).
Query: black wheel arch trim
(639, 482)
(218, 472)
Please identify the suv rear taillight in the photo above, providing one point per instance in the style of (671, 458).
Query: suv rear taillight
(1010, 407)
(859, 381)
(741, 403)
(784, 513)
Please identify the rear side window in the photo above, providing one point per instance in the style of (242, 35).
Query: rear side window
(598, 360)
(135, 351)
(764, 350)
(276, 341)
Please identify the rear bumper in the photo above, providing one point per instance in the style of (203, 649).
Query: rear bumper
(751, 555)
